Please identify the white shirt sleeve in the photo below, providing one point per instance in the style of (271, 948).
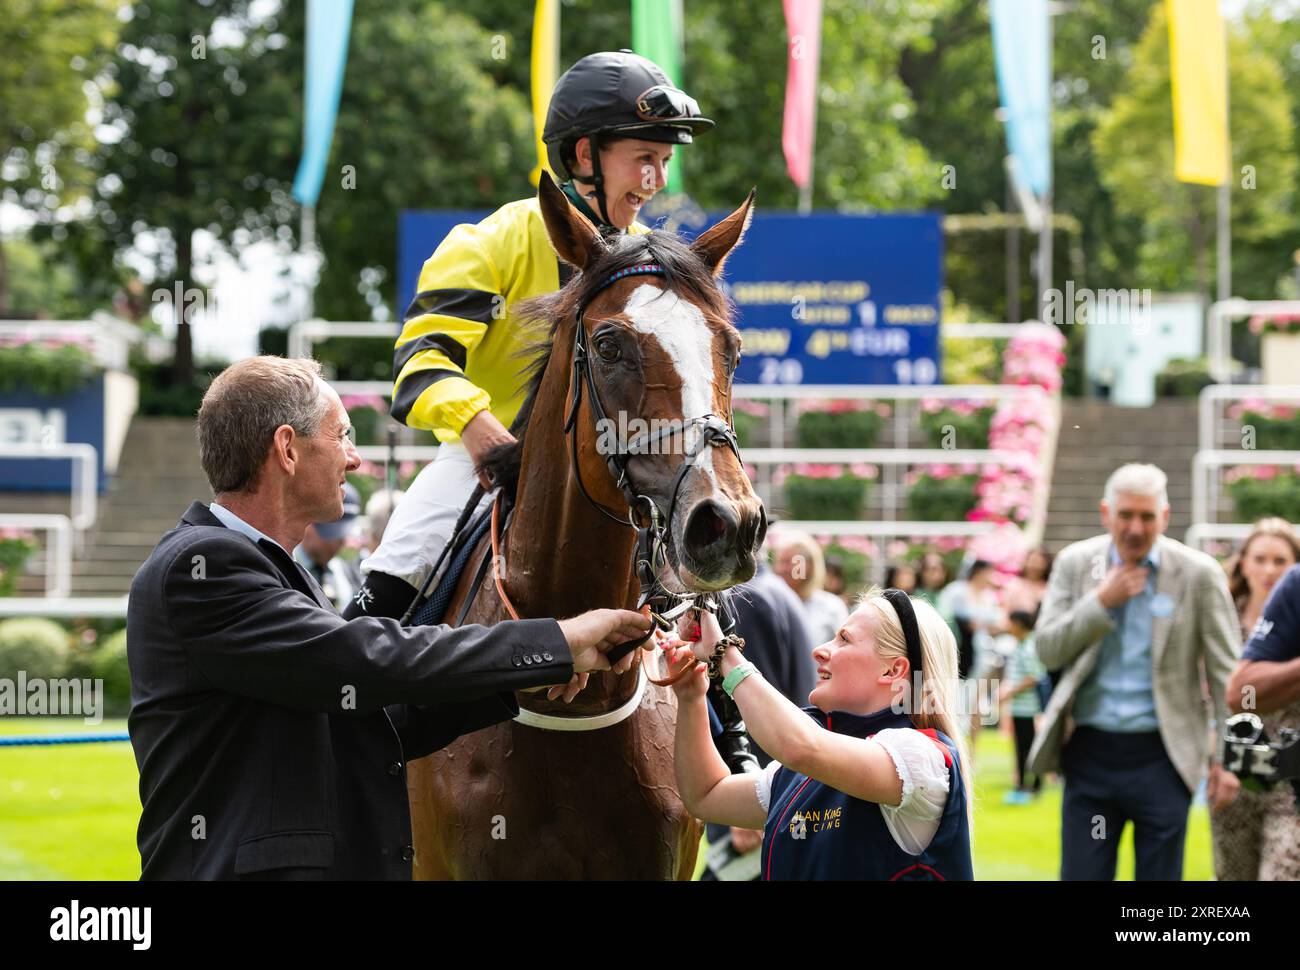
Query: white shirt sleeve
(924, 773)
(763, 783)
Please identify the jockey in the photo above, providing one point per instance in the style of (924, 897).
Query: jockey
(613, 120)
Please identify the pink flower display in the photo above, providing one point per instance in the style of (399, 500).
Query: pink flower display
(351, 401)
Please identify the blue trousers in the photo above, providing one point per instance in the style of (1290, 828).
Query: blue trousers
(1112, 779)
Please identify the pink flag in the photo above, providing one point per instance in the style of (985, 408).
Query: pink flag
(803, 21)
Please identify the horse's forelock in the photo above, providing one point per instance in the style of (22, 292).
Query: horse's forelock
(684, 274)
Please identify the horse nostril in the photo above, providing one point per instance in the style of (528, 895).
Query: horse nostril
(709, 524)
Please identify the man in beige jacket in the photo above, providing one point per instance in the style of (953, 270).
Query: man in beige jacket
(1132, 618)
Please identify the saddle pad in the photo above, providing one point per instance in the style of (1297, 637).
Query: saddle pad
(434, 609)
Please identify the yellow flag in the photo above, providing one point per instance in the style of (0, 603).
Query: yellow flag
(1198, 61)
(546, 71)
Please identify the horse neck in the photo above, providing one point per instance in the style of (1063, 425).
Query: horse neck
(563, 556)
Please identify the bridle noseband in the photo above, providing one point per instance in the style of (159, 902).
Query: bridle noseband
(651, 546)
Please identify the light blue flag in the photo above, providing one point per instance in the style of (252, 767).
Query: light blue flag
(1022, 51)
(328, 24)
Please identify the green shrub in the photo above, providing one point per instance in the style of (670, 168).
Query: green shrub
(36, 645)
(969, 430)
(108, 664)
(14, 553)
(855, 564)
(842, 429)
(747, 427)
(1183, 378)
(1258, 498)
(47, 367)
(826, 498)
(1273, 434)
(942, 499)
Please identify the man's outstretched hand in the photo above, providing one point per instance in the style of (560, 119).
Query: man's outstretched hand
(593, 634)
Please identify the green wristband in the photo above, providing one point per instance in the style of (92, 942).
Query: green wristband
(737, 674)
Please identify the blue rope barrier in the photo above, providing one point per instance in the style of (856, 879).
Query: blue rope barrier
(61, 739)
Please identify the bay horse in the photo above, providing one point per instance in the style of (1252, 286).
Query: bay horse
(545, 796)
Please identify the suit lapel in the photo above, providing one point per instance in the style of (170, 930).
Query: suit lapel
(1169, 581)
(294, 574)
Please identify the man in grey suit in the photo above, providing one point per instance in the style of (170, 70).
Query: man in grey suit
(1132, 619)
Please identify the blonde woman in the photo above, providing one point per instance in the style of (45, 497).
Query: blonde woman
(1257, 835)
(859, 788)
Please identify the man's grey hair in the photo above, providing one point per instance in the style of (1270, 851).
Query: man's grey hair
(1137, 479)
(242, 408)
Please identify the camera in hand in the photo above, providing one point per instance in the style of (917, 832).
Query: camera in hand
(1258, 760)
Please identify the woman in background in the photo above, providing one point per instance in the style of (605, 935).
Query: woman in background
(1257, 835)
(799, 562)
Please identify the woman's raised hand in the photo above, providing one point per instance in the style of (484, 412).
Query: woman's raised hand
(696, 683)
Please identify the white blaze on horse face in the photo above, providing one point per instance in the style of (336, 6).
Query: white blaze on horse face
(683, 333)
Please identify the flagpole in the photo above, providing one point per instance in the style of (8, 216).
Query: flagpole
(1223, 229)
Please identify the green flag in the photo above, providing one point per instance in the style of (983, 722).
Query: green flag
(657, 34)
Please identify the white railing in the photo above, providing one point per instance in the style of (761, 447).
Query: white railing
(58, 547)
(110, 337)
(1205, 481)
(85, 474)
(1210, 425)
(305, 333)
(892, 460)
(1202, 532)
(67, 608)
(1219, 328)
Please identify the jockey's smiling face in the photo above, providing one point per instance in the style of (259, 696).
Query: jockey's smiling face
(633, 170)
(851, 675)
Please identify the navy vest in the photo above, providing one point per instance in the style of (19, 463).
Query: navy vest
(814, 831)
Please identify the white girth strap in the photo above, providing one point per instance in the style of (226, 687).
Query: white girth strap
(594, 722)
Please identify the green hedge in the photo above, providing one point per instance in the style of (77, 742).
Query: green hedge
(1273, 434)
(38, 646)
(108, 664)
(970, 430)
(1259, 498)
(37, 366)
(827, 498)
(848, 429)
(942, 499)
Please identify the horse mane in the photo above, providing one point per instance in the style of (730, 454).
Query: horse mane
(685, 274)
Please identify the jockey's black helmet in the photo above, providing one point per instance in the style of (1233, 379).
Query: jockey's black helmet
(618, 92)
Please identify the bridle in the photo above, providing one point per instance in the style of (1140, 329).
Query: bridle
(652, 529)
(650, 554)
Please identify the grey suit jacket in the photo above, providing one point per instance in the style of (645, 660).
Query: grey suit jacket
(1200, 635)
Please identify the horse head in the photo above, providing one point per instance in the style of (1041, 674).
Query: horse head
(650, 390)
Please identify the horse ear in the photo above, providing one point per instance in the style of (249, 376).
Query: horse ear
(574, 237)
(716, 245)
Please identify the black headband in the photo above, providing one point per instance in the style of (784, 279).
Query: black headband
(902, 604)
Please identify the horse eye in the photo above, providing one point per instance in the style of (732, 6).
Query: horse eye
(609, 350)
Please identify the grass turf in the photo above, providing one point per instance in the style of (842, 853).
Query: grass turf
(70, 812)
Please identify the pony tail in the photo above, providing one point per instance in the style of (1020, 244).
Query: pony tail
(940, 703)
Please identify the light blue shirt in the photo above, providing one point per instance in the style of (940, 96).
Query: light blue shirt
(1118, 695)
(231, 521)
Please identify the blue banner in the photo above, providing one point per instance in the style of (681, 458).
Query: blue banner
(328, 25)
(821, 299)
(1022, 52)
